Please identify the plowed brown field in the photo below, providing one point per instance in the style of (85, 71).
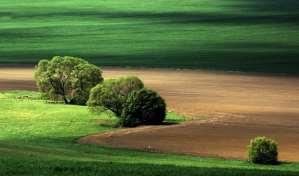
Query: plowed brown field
(227, 110)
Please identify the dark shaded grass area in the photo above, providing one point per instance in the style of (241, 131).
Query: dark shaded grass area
(172, 17)
(260, 62)
(114, 168)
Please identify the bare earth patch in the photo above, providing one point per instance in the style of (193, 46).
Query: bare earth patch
(237, 107)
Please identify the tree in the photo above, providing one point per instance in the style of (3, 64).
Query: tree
(143, 106)
(113, 93)
(263, 150)
(67, 78)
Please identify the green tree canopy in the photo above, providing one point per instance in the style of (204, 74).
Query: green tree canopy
(67, 78)
(113, 93)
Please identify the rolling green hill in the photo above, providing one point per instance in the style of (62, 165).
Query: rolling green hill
(238, 35)
(39, 139)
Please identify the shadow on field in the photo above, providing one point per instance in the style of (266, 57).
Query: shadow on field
(268, 6)
(115, 168)
(241, 12)
(230, 18)
(259, 57)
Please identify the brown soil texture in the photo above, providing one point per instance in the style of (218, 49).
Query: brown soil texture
(225, 109)
(14, 78)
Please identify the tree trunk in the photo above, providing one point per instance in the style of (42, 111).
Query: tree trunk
(65, 100)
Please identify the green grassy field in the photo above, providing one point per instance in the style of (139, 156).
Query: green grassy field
(239, 35)
(37, 138)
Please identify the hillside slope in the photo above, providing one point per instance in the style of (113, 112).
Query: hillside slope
(239, 35)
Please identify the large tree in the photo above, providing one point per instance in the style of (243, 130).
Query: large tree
(67, 78)
(113, 93)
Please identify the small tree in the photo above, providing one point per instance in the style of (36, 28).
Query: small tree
(262, 150)
(67, 78)
(113, 93)
(143, 106)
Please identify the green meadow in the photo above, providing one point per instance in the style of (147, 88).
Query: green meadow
(234, 35)
(39, 138)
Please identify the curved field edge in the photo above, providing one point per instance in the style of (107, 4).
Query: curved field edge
(233, 35)
(38, 138)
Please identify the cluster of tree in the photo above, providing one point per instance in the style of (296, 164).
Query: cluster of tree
(75, 81)
(130, 100)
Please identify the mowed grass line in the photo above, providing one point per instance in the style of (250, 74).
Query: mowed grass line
(37, 138)
(238, 35)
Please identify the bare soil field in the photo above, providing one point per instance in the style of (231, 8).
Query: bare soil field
(225, 111)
